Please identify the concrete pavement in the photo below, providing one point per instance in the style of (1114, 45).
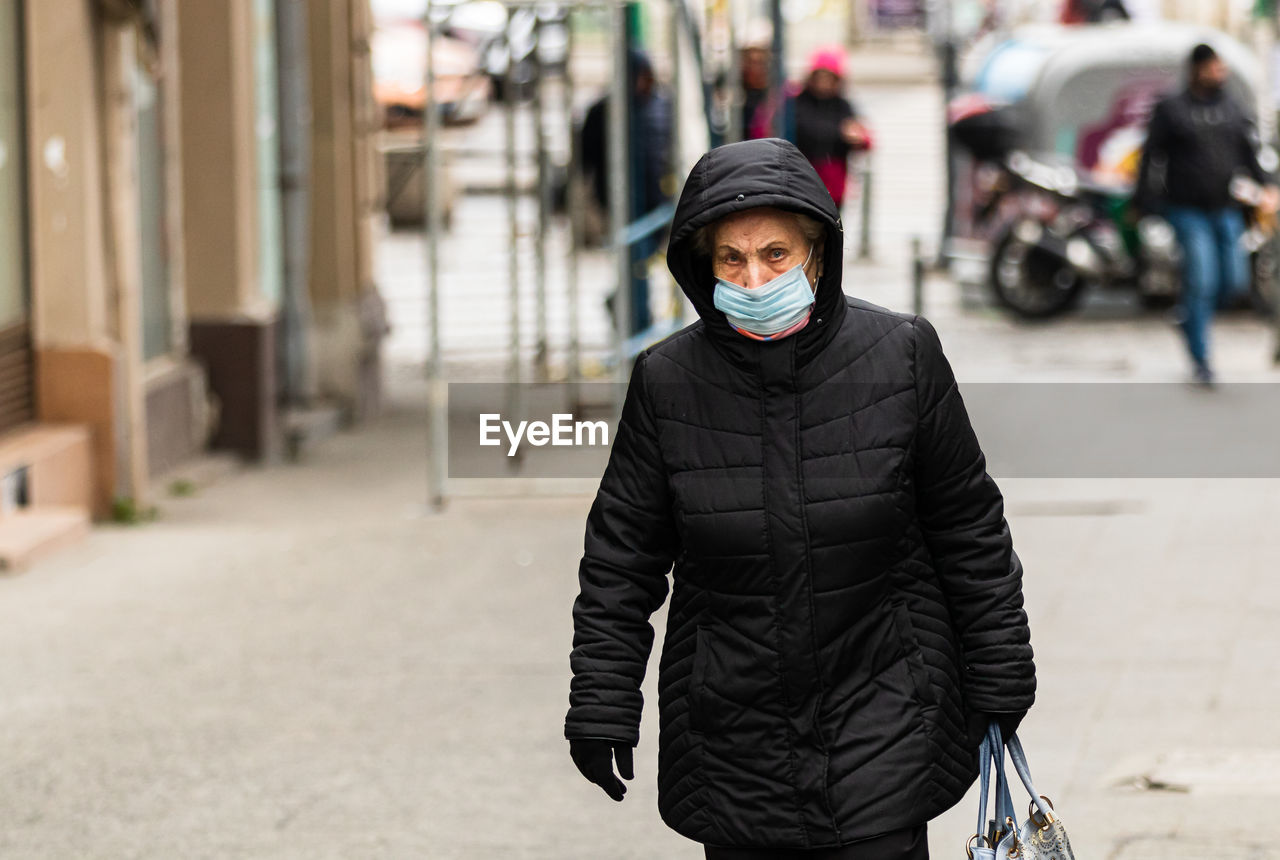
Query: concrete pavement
(300, 662)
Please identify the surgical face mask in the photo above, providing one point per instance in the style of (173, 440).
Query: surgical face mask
(770, 308)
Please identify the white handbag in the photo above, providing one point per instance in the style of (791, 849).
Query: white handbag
(1040, 837)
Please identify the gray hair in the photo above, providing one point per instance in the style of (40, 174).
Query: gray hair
(813, 231)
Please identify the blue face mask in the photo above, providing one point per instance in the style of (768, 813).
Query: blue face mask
(770, 308)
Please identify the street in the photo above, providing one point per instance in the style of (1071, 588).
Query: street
(278, 669)
(303, 661)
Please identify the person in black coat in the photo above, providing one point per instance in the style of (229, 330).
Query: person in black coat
(827, 126)
(1198, 142)
(650, 124)
(846, 604)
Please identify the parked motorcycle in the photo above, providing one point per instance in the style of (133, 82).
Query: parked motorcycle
(1082, 95)
(1055, 233)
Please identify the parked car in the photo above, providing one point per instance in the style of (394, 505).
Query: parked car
(399, 51)
(526, 35)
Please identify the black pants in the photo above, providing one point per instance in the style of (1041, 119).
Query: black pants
(909, 844)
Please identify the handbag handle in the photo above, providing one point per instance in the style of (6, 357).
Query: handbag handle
(1019, 757)
(992, 752)
(984, 783)
(1004, 799)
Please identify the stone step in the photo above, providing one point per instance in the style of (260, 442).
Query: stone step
(33, 532)
(54, 462)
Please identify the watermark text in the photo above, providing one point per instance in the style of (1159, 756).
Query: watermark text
(562, 431)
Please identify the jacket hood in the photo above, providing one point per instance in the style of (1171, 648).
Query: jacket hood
(747, 175)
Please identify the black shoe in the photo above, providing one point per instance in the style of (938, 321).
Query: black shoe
(1203, 375)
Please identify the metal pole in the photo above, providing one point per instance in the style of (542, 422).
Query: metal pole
(950, 81)
(917, 277)
(574, 174)
(675, 149)
(779, 70)
(295, 165)
(733, 85)
(437, 416)
(1274, 284)
(541, 357)
(513, 224)
(619, 187)
(864, 217)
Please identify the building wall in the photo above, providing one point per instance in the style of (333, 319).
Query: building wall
(80, 365)
(89, 67)
(347, 312)
(232, 320)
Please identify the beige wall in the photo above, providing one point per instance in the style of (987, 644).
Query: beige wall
(344, 192)
(334, 272)
(68, 259)
(119, 53)
(85, 274)
(1230, 15)
(365, 118)
(216, 105)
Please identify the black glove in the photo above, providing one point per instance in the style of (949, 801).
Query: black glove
(978, 722)
(594, 758)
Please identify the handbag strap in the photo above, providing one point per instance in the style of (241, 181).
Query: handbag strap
(1019, 757)
(1004, 799)
(984, 778)
(991, 752)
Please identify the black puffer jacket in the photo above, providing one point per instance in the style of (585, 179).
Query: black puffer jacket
(845, 588)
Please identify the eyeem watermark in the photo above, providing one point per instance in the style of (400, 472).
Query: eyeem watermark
(561, 432)
(1027, 430)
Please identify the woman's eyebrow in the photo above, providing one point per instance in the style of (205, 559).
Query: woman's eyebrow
(763, 246)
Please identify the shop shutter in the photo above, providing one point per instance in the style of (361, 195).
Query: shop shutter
(17, 390)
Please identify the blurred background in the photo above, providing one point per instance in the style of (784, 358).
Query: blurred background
(247, 245)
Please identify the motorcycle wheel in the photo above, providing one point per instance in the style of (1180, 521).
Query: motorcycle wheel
(1032, 282)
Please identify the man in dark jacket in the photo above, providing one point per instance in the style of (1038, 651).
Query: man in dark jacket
(846, 605)
(650, 125)
(1198, 142)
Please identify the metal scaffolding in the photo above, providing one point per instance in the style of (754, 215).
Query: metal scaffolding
(526, 362)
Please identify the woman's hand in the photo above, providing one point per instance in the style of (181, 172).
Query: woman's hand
(853, 133)
(594, 758)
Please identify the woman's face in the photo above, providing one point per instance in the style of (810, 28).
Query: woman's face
(824, 84)
(754, 246)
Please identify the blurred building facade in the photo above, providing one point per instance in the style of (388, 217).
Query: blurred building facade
(189, 191)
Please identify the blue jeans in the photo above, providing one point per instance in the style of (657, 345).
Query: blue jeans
(1215, 268)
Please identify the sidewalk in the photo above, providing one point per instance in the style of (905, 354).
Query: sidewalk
(300, 662)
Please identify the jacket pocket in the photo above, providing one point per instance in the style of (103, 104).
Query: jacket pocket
(911, 654)
(697, 681)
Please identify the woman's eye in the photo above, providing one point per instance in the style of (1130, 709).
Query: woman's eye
(777, 254)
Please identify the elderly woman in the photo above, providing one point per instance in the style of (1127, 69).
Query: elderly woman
(846, 605)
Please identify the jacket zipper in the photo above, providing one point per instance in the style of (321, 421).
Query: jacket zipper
(813, 614)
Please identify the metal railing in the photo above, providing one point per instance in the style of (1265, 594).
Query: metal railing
(623, 345)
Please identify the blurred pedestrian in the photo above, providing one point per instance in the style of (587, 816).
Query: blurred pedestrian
(827, 127)
(846, 604)
(1198, 141)
(755, 88)
(650, 125)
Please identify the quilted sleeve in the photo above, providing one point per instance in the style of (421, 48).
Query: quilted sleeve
(629, 548)
(961, 513)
